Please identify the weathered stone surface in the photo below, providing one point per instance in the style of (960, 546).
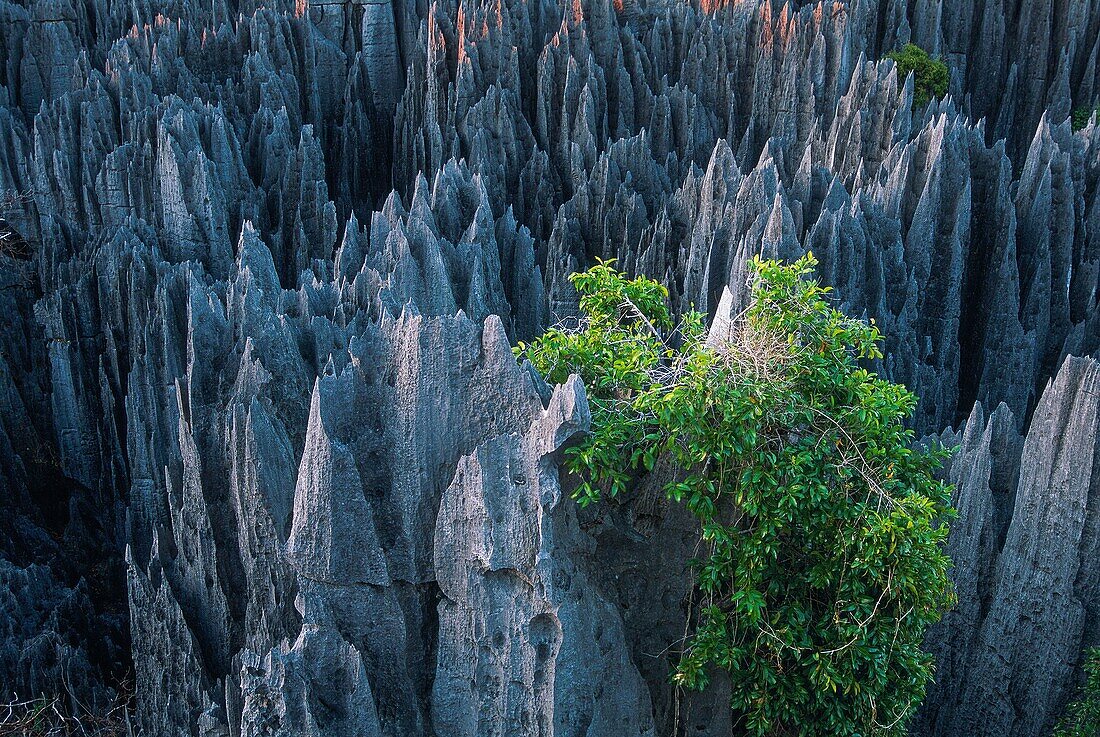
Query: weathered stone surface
(256, 386)
(1025, 560)
(527, 645)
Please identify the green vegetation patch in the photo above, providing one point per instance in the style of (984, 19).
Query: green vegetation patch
(1082, 718)
(931, 76)
(1081, 116)
(821, 562)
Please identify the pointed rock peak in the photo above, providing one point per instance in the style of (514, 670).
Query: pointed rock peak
(1002, 421)
(333, 538)
(392, 213)
(568, 413)
(773, 153)
(482, 194)
(421, 208)
(722, 167)
(281, 122)
(837, 197)
(779, 239)
(1043, 145)
(508, 221)
(454, 175)
(481, 225)
(541, 388)
(721, 157)
(779, 211)
(721, 328)
(352, 250)
(1077, 375)
(254, 261)
(251, 374)
(974, 427)
(307, 141)
(205, 313)
(317, 423)
(494, 340)
(806, 163)
(410, 316)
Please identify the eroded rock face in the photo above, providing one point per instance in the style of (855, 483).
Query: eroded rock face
(256, 392)
(1025, 562)
(527, 643)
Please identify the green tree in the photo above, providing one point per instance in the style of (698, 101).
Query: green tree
(931, 76)
(1082, 718)
(822, 524)
(1081, 117)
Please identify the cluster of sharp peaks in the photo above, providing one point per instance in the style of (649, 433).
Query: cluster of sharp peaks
(262, 439)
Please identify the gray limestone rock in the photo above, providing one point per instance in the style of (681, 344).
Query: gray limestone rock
(1025, 566)
(257, 396)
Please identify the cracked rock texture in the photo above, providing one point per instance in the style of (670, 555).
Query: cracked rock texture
(263, 443)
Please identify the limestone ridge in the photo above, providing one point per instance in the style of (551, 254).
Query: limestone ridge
(261, 433)
(526, 643)
(1025, 561)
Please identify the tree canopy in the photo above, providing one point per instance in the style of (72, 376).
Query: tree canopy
(1081, 117)
(930, 76)
(822, 523)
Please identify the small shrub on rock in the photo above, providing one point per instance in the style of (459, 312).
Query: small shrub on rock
(1081, 116)
(1082, 718)
(822, 524)
(931, 76)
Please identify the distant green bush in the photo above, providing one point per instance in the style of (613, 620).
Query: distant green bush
(1081, 116)
(931, 76)
(1082, 717)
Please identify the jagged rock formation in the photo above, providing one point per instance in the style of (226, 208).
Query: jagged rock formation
(1026, 566)
(255, 384)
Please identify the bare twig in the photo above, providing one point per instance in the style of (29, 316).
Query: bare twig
(14, 246)
(13, 198)
(49, 717)
(12, 243)
(634, 311)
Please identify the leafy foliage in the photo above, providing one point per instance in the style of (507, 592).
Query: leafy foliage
(1081, 116)
(822, 526)
(1082, 717)
(931, 76)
